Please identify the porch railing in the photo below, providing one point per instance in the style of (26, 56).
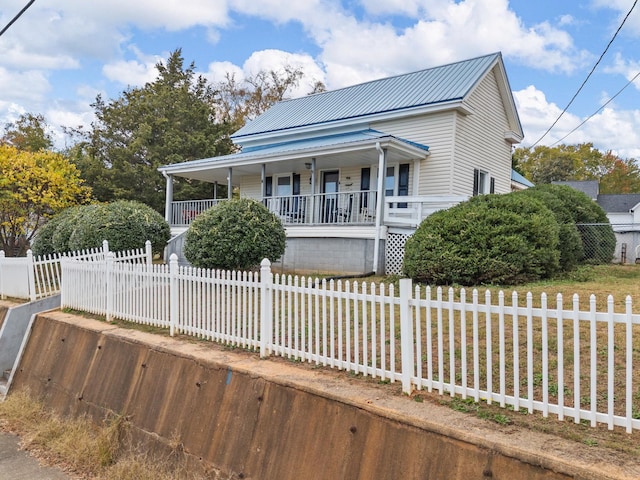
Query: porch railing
(347, 208)
(410, 211)
(183, 212)
(341, 208)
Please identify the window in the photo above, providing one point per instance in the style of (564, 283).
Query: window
(482, 182)
(283, 186)
(396, 182)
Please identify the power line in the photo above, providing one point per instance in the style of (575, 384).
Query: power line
(13, 20)
(588, 76)
(604, 105)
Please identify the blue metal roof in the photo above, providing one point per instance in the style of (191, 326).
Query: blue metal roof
(516, 177)
(426, 87)
(280, 148)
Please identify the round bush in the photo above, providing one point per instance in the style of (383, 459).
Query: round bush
(234, 235)
(43, 243)
(66, 224)
(598, 238)
(490, 239)
(124, 224)
(570, 241)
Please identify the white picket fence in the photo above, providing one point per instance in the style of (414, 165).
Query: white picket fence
(562, 361)
(38, 276)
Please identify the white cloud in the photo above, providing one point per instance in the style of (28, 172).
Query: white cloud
(133, 72)
(27, 86)
(612, 128)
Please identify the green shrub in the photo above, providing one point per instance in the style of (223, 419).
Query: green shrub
(500, 239)
(67, 224)
(124, 224)
(598, 238)
(43, 243)
(235, 235)
(570, 241)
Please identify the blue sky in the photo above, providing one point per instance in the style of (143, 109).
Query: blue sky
(61, 54)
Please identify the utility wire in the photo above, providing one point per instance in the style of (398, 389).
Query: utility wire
(13, 20)
(588, 76)
(598, 110)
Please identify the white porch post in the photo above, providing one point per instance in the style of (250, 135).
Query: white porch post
(168, 198)
(229, 184)
(379, 204)
(313, 190)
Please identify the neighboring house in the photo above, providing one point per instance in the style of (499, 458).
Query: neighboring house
(623, 212)
(352, 172)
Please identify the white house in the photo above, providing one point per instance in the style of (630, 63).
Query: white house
(352, 172)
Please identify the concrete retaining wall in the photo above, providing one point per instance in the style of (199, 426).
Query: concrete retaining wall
(269, 419)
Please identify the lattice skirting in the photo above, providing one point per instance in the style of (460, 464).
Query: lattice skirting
(394, 252)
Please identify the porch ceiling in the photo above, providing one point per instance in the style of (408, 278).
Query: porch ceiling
(284, 159)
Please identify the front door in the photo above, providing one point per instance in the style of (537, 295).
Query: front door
(330, 202)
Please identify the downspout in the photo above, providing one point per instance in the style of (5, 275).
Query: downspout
(379, 205)
(168, 201)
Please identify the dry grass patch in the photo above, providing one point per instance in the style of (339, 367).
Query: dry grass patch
(88, 450)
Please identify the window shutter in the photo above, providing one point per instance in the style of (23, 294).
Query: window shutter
(268, 186)
(492, 188)
(476, 181)
(296, 184)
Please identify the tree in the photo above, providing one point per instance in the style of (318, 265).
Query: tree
(622, 177)
(169, 120)
(30, 132)
(33, 187)
(565, 162)
(578, 162)
(239, 102)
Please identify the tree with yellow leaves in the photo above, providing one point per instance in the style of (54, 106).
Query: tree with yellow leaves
(33, 187)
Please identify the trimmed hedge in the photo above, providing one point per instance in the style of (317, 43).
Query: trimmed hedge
(490, 239)
(124, 224)
(570, 240)
(234, 235)
(598, 241)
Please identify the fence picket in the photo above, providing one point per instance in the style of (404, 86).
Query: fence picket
(352, 326)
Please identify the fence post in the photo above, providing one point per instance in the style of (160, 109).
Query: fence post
(148, 252)
(109, 285)
(105, 247)
(31, 275)
(266, 311)
(406, 335)
(2, 294)
(173, 293)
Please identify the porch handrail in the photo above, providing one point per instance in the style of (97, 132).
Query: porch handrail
(410, 211)
(184, 211)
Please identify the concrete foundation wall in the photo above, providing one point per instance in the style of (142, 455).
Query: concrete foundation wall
(329, 255)
(257, 419)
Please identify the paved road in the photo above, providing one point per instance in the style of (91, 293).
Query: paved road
(16, 464)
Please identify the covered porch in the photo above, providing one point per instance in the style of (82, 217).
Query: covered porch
(332, 180)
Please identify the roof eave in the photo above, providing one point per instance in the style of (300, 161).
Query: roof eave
(257, 157)
(356, 123)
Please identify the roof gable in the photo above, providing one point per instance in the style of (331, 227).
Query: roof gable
(434, 86)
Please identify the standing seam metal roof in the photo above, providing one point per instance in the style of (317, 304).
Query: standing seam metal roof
(426, 87)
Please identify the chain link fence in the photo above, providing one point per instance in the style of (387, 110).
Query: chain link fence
(603, 242)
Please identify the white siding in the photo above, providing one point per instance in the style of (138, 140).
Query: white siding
(250, 187)
(437, 132)
(480, 140)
